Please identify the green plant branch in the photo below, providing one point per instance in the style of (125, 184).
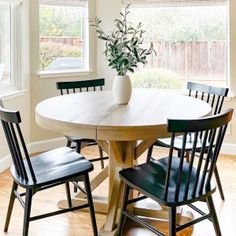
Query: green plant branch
(123, 47)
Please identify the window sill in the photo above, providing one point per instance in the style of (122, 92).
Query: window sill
(229, 98)
(11, 93)
(58, 74)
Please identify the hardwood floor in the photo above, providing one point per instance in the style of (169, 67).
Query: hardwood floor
(78, 223)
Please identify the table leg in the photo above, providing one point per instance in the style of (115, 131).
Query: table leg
(121, 156)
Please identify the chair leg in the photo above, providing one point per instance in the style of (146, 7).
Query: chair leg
(172, 221)
(178, 153)
(123, 208)
(90, 202)
(212, 211)
(10, 206)
(149, 153)
(28, 202)
(67, 185)
(101, 156)
(78, 150)
(68, 143)
(219, 183)
(187, 156)
(78, 147)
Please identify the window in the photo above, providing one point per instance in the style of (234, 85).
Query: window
(9, 43)
(191, 40)
(63, 35)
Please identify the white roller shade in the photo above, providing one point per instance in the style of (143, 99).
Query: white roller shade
(11, 1)
(69, 3)
(174, 2)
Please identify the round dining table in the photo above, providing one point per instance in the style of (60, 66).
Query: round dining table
(125, 132)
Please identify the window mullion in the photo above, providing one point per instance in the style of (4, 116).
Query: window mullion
(15, 46)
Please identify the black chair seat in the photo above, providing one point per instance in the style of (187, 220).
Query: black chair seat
(149, 178)
(55, 166)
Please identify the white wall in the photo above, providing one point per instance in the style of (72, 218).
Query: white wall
(111, 10)
(18, 102)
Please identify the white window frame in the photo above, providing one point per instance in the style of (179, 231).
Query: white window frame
(15, 48)
(90, 49)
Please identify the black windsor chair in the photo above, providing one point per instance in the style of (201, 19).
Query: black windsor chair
(172, 181)
(43, 171)
(82, 86)
(215, 97)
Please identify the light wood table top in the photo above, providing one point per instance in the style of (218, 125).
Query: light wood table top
(117, 128)
(94, 114)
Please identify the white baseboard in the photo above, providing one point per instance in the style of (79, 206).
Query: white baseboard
(45, 145)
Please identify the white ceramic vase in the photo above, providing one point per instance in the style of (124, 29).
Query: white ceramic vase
(122, 89)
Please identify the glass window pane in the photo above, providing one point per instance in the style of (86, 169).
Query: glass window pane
(191, 45)
(62, 37)
(5, 43)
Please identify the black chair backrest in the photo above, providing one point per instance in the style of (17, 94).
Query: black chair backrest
(80, 86)
(11, 125)
(196, 180)
(212, 95)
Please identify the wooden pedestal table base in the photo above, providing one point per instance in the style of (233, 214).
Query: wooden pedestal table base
(123, 154)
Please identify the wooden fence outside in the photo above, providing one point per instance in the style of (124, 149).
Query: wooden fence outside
(196, 60)
(69, 41)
